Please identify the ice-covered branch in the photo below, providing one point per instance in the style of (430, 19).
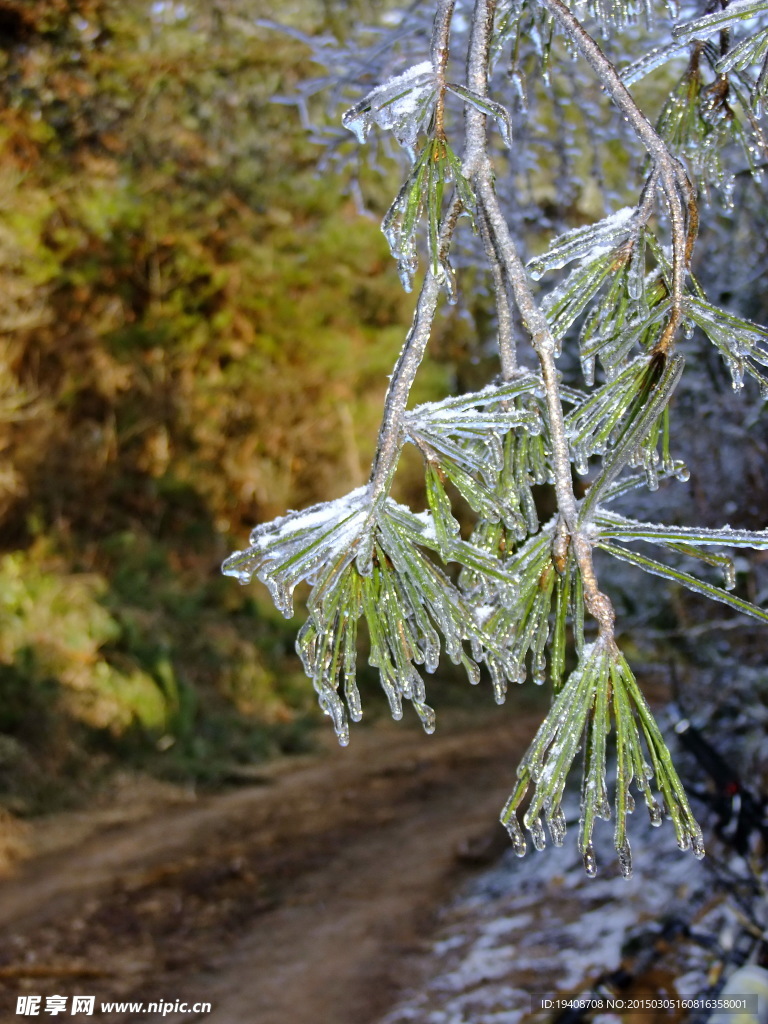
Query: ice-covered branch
(475, 121)
(504, 248)
(390, 439)
(674, 181)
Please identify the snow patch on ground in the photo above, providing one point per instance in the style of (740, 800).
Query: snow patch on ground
(537, 926)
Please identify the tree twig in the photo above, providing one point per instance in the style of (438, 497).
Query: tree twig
(674, 181)
(390, 439)
(505, 250)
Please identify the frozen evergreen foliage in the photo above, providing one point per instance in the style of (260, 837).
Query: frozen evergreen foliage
(511, 595)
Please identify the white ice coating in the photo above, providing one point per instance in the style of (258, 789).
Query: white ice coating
(736, 339)
(652, 60)
(749, 51)
(427, 521)
(482, 613)
(295, 546)
(587, 243)
(525, 383)
(313, 518)
(739, 11)
(400, 104)
(610, 524)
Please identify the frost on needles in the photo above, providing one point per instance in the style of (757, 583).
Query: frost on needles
(511, 597)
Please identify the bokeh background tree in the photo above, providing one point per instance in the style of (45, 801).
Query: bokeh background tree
(179, 287)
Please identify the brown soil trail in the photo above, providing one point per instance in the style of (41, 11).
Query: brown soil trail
(297, 900)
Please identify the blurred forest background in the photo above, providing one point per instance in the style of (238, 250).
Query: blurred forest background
(195, 335)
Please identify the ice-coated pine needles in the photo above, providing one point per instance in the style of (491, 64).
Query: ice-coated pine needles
(481, 573)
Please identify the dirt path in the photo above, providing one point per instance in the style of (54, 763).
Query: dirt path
(300, 899)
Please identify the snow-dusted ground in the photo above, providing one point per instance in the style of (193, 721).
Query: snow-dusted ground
(537, 927)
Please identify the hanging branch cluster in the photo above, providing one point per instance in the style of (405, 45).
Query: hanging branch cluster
(526, 599)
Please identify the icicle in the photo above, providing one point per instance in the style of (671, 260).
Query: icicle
(332, 706)
(727, 186)
(590, 864)
(352, 695)
(281, 595)
(475, 646)
(588, 369)
(498, 681)
(519, 844)
(538, 837)
(636, 270)
(427, 716)
(651, 473)
(448, 282)
(654, 813)
(472, 670)
(697, 846)
(729, 575)
(537, 269)
(518, 86)
(580, 462)
(625, 858)
(430, 646)
(557, 826)
(539, 671)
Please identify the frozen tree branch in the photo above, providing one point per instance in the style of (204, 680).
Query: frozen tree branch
(519, 600)
(390, 440)
(677, 188)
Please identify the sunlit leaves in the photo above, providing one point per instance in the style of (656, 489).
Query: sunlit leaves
(584, 244)
(611, 524)
(486, 106)
(600, 692)
(299, 545)
(738, 12)
(522, 625)
(743, 54)
(517, 20)
(523, 590)
(693, 542)
(700, 119)
(698, 138)
(625, 306)
(752, 50)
